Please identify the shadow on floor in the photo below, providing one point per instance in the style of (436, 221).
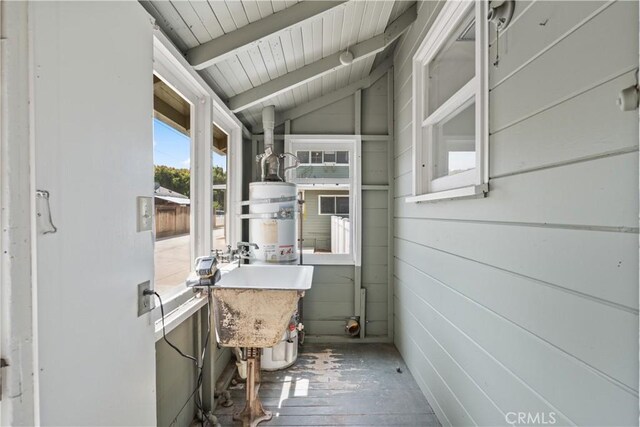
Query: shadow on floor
(340, 385)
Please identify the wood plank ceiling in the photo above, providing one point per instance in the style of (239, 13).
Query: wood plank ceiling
(191, 23)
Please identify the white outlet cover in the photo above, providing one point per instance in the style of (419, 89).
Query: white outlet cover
(145, 213)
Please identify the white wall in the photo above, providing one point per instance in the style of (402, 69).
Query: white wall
(528, 300)
(93, 138)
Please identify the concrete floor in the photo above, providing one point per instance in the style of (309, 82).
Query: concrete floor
(173, 261)
(340, 385)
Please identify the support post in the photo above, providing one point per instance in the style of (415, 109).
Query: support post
(253, 412)
(390, 202)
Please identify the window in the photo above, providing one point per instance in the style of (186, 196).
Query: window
(173, 196)
(329, 178)
(323, 157)
(219, 168)
(192, 133)
(333, 205)
(450, 105)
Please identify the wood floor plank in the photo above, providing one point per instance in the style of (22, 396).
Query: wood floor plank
(340, 385)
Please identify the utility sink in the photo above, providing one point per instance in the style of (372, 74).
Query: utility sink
(254, 303)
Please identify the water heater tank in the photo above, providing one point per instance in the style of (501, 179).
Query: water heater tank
(272, 221)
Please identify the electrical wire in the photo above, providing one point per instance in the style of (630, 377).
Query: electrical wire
(164, 333)
(199, 367)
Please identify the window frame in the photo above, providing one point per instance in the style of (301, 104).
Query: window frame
(472, 183)
(352, 144)
(335, 204)
(206, 109)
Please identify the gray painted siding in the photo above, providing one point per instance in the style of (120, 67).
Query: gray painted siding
(331, 299)
(175, 375)
(527, 300)
(336, 119)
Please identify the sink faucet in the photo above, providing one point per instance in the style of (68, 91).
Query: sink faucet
(244, 251)
(226, 256)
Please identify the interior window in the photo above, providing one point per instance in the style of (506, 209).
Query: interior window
(303, 157)
(329, 156)
(342, 157)
(316, 157)
(172, 193)
(219, 168)
(329, 189)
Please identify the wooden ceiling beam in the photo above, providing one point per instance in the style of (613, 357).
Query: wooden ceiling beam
(220, 48)
(324, 66)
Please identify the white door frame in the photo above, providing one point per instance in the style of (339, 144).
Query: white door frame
(18, 344)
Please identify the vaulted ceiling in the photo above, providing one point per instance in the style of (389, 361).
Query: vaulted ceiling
(282, 53)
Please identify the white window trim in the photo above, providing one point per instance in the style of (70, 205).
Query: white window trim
(324, 163)
(425, 189)
(207, 108)
(353, 144)
(332, 196)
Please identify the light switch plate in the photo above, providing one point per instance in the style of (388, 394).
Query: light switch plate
(145, 302)
(145, 213)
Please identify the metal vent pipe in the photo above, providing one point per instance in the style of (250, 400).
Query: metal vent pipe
(268, 123)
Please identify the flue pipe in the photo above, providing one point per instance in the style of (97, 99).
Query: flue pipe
(268, 123)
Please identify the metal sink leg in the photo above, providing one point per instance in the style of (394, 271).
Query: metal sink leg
(253, 412)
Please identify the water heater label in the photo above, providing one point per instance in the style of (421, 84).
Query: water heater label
(286, 250)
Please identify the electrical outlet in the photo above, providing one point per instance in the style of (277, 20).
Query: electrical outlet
(145, 302)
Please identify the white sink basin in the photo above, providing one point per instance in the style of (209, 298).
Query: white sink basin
(285, 277)
(253, 304)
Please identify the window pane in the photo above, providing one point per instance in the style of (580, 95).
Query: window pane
(303, 156)
(325, 171)
(325, 233)
(329, 156)
(316, 157)
(342, 157)
(452, 67)
(219, 189)
(172, 250)
(454, 142)
(327, 205)
(342, 205)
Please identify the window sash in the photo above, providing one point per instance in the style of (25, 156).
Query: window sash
(447, 22)
(335, 204)
(457, 102)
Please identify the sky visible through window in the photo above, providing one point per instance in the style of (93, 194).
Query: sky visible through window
(172, 148)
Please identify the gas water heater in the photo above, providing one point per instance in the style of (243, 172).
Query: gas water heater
(273, 220)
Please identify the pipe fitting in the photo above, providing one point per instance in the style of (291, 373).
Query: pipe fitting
(353, 326)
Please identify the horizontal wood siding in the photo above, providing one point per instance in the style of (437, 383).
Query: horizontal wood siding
(527, 300)
(330, 300)
(176, 376)
(337, 118)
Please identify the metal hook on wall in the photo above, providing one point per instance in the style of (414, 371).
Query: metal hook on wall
(500, 14)
(43, 212)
